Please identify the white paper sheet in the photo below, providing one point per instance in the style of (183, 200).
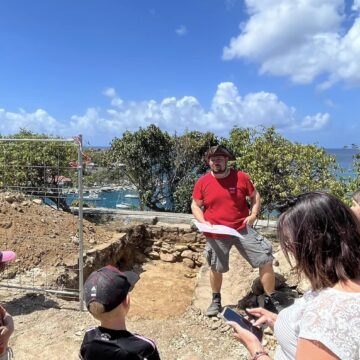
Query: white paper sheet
(216, 229)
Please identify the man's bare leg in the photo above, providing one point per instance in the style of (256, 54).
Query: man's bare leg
(267, 278)
(215, 282)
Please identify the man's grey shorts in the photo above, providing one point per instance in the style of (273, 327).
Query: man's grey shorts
(255, 248)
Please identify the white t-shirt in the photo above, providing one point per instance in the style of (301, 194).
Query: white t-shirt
(329, 316)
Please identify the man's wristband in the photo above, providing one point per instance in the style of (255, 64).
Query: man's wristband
(258, 354)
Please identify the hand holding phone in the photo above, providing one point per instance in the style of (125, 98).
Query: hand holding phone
(261, 317)
(231, 315)
(251, 317)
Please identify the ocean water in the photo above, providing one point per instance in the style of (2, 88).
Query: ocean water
(344, 157)
(110, 199)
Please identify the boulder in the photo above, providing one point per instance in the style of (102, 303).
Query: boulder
(189, 263)
(188, 254)
(167, 257)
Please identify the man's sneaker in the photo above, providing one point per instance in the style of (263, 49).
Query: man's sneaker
(214, 308)
(269, 303)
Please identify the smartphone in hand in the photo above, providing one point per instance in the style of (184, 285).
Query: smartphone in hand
(250, 316)
(231, 315)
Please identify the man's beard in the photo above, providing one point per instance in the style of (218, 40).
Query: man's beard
(219, 170)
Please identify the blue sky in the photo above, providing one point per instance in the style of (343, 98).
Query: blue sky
(99, 68)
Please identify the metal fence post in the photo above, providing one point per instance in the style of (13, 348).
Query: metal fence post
(81, 237)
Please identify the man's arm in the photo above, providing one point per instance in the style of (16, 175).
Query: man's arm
(255, 203)
(196, 206)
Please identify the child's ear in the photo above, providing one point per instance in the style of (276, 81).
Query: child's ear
(126, 301)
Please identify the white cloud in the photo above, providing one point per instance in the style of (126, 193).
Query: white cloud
(109, 92)
(38, 121)
(181, 30)
(228, 109)
(315, 122)
(356, 5)
(301, 39)
(115, 100)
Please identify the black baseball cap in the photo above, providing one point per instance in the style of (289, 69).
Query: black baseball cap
(109, 286)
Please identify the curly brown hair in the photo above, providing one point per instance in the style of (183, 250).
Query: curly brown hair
(321, 233)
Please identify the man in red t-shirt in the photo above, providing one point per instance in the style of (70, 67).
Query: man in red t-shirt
(220, 198)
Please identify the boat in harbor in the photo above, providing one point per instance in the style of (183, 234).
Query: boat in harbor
(92, 196)
(132, 196)
(123, 206)
(107, 189)
(116, 199)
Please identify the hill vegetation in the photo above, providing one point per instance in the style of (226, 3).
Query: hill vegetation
(163, 167)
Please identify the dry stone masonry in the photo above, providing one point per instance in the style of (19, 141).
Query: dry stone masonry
(164, 242)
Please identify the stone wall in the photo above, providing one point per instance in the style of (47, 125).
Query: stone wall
(137, 243)
(164, 242)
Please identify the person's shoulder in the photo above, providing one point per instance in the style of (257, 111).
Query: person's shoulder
(207, 175)
(336, 297)
(326, 305)
(90, 334)
(144, 346)
(102, 343)
(241, 175)
(239, 172)
(144, 339)
(330, 317)
(204, 178)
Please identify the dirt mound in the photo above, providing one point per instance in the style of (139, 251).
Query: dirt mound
(40, 235)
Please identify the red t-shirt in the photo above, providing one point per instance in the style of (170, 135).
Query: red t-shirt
(225, 199)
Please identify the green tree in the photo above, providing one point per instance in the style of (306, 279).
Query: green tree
(36, 167)
(188, 164)
(280, 168)
(103, 173)
(163, 168)
(145, 157)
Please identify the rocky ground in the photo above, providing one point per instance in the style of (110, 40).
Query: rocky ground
(167, 303)
(48, 327)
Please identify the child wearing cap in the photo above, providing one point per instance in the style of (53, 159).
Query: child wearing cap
(6, 320)
(107, 299)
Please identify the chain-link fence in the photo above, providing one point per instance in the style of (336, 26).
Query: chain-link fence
(39, 177)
